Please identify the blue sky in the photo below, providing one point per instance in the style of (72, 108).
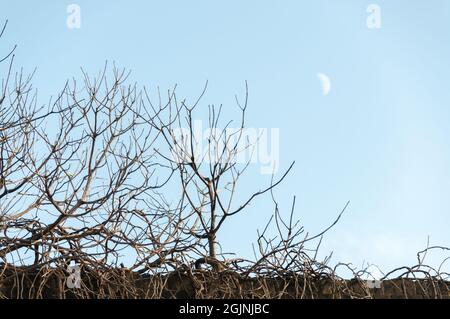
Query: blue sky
(379, 139)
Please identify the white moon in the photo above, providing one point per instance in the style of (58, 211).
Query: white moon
(326, 83)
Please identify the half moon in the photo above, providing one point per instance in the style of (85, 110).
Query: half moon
(326, 83)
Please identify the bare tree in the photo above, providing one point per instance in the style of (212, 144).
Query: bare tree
(78, 178)
(209, 177)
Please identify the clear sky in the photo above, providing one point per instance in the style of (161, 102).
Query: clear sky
(380, 138)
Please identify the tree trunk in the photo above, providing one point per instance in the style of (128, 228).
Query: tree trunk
(212, 245)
